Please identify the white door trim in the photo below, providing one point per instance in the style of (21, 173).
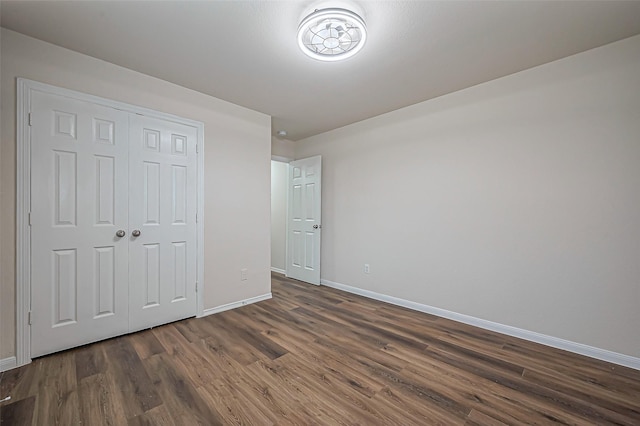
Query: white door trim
(23, 197)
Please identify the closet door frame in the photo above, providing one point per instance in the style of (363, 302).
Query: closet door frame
(25, 89)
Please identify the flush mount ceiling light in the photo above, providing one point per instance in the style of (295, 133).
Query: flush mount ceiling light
(332, 34)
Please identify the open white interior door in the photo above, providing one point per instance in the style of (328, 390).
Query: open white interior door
(304, 219)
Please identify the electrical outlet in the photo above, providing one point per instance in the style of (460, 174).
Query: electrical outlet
(367, 270)
(243, 274)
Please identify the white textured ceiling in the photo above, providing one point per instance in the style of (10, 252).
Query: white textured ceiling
(245, 52)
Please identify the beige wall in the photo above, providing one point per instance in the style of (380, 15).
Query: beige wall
(516, 201)
(237, 163)
(278, 213)
(282, 148)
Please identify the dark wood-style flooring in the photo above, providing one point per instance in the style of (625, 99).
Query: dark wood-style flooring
(314, 355)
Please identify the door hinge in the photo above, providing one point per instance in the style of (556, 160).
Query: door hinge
(196, 217)
(196, 286)
(197, 150)
(29, 218)
(30, 119)
(29, 318)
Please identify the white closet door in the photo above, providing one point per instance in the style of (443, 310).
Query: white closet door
(79, 185)
(162, 201)
(304, 223)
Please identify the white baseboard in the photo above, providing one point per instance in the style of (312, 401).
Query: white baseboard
(567, 345)
(234, 305)
(8, 363)
(278, 270)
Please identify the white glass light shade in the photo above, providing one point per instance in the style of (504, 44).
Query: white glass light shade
(331, 34)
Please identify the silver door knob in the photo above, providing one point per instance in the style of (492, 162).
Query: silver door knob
(315, 226)
(120, 233)
(136, 233)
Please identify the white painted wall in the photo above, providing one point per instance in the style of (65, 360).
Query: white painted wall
(516, 201)
(278, 214)
(237, 161)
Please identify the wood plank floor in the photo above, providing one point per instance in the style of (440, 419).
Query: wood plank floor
(314, 355)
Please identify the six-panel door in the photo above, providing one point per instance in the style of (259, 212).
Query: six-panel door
(162, 207)
(79, 174)
(304, 220)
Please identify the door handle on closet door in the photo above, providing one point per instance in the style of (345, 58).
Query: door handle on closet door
(136, 233)
(120, 233)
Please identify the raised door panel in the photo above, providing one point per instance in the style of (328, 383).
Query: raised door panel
(151, 271)
(180, 271)
(151, 192)
(65, 287)
(65, 188)
(179, 195)
(105, 190)
(104, 266)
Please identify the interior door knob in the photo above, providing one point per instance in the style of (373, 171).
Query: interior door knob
(315, 227)
(136, 233)
(120, 233)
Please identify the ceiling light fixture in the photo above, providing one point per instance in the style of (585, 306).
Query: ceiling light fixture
(282, 133)
(332, 34)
